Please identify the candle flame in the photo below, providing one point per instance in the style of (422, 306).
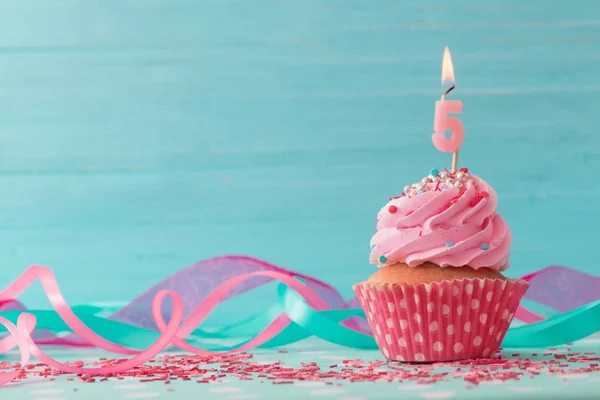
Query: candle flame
(447, 68)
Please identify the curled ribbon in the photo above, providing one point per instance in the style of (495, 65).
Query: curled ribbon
(300, 312)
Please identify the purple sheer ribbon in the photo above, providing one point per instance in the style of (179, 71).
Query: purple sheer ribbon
(557, 287)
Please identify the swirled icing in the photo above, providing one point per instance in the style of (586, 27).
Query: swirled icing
(443, 224)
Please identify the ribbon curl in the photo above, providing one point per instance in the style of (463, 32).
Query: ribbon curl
(305, 307)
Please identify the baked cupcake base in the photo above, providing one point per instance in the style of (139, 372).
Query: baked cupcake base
(436, 321)
(429, 272)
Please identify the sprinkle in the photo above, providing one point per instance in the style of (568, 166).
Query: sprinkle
(243, 367)
(485, 246)
(465, 170)
(392, 209)
(449, 244)
(434, 172)
(373, 246)
(421, 192)
(478, 197)
(382, 259)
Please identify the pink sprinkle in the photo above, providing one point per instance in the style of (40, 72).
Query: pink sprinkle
(241, 366)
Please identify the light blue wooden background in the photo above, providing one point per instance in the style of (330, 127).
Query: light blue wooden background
(140, 136)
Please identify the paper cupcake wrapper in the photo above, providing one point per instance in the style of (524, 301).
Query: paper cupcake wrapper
(440, 321)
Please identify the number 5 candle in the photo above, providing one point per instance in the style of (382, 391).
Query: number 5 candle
(443, 121)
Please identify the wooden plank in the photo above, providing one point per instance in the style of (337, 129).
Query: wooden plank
(140, 136)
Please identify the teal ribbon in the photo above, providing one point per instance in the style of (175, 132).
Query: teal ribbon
(306, 322)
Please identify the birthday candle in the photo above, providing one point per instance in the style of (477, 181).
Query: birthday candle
(443, 121)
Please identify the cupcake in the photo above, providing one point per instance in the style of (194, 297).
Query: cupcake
(439, 293)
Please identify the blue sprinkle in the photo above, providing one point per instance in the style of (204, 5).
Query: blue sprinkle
(372, 246)
(421, 192)
(434, 172)
(444, 189)
(449, 244)
(485, 246)
(382, 259)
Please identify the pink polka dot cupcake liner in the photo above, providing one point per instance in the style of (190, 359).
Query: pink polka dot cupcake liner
(440, 321)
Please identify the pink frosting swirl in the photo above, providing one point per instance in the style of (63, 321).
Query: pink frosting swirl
(446, 226)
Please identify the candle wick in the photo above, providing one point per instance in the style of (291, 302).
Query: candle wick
(451, 88)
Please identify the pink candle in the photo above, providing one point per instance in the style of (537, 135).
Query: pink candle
(443, 121)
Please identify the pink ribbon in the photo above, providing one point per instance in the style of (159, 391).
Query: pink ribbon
(19, 339)
(172, 333)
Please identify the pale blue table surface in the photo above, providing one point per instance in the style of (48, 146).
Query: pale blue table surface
(544, 386)
(140, 136)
